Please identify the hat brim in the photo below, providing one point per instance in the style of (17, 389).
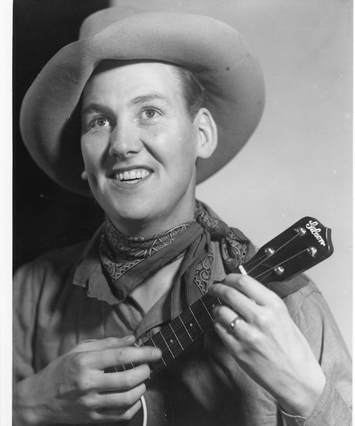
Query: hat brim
(214, 51)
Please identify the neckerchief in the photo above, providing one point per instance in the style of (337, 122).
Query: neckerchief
(129, 260)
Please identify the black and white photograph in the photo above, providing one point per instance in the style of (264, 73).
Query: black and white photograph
(182, 217)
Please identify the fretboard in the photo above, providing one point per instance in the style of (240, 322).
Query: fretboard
(178, 335)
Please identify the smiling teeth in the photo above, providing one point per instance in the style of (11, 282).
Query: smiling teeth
(133, 174)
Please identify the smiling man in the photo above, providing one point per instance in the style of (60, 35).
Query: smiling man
(140, 145)
(165, 101)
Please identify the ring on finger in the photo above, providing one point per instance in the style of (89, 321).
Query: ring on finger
(235, 321)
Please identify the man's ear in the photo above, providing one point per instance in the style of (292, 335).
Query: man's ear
(206, 133)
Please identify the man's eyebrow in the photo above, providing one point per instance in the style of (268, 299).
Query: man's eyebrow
(96, 107)
(149, 97)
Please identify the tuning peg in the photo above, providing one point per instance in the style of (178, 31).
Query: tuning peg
(301, 231)
(269, 251)
(279, 270)
(312, 251)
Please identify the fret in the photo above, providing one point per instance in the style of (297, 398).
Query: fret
(172, 340)
(187, 331)
(162, 345)
(183, 338)
(206, 309)
(167, 344)
(211, 302)
(153, 344)
(162, 359)
(194, 330)
(178, 334)
(204, 317)
(198, 324)
(177, 339)
(150, 342)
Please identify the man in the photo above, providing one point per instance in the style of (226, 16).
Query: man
(165, 100)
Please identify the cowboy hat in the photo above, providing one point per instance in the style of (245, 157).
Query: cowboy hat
(211, 49)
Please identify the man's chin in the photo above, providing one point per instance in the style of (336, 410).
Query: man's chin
(133, 218)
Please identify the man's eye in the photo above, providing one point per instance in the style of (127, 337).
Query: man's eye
(150, 113)
(99, 122)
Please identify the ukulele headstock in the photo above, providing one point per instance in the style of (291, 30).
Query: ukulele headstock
(301, 246)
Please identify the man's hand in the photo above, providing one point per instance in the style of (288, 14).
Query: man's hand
(255, 326)
(75, 389)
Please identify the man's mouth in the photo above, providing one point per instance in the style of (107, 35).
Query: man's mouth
(132, 175)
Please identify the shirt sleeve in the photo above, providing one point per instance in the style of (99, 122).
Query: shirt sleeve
(317, 324)
(25, 300)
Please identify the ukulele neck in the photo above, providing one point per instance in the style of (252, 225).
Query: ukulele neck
(179, 334)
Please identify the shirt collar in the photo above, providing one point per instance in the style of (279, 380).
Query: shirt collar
(88, 273)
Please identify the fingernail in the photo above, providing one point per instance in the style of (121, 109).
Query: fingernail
(235, 279)
(242, 270)
(158, 352)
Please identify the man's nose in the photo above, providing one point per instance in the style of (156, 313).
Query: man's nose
(124, 141)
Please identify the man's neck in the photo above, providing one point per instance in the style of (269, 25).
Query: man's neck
(149, 292)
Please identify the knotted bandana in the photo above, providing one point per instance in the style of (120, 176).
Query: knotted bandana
(128, 261)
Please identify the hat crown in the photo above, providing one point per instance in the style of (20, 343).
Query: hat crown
(100, 20)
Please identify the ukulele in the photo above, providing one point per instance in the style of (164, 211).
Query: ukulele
(301, 246)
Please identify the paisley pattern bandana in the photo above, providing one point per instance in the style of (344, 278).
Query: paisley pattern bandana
(128, 261)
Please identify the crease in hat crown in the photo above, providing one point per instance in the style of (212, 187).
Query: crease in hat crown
(213, 50)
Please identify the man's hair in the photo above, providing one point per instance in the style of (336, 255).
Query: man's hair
(192, 90)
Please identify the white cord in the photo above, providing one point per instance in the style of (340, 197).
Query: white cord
(145, 411)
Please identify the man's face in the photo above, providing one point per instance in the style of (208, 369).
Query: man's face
(139, 144)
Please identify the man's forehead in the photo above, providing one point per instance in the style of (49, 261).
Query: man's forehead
(154, 77)
(140, 67)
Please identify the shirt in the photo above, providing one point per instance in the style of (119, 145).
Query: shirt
(63, 298)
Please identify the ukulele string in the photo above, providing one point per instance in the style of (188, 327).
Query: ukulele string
(270, 270)
(260, 262)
